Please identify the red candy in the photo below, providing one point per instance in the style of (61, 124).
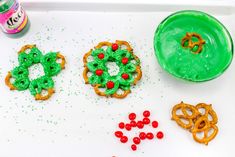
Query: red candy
(101, 56)
(121, 125)
(146, 113)
(125, 76)
(142, 135)
(110, 84)
(160, 135)
(114, 47)
(155, 124)
(133, 123)
(140, 124)
(133, 147)
(124, 60)
(118, 134)
(136, 140)
(146, 120)
(132, 116)
(123, 139)
(99, 72)
(128, 127)
(149, 135)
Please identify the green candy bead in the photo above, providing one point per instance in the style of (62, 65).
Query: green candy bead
(19, 72)
(94, 79)
(21, 83)
(52, 69)
(46, 82)
(212, 61)
(36, 54)
(25, 59)
(130, 67)
(119, 54)
(35, 87)
(94, 65)
(49, 58)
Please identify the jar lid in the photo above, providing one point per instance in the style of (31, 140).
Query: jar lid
(5, 5)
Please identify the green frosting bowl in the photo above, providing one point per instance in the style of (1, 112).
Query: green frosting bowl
(181, 61)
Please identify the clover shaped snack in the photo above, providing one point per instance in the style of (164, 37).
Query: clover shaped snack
(118, 85)
(27, 57)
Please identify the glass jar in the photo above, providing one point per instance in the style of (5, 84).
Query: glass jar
(13, 18)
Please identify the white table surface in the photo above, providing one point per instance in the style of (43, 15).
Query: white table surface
(76, 122)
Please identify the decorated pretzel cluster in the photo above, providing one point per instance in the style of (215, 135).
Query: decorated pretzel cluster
(197, 119)
(20, 74)
(117, 86)
(194, 46)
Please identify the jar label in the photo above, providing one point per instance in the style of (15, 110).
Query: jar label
(14, 20)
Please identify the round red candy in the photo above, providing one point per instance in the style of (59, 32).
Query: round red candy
(125, 76)
(133, 147)
(114, 47)
(99, 72)
(155, 124)
(121, 125)
(142, 135)
(133, 123)
(140, 124)
(124, 60)
(123, 139)
(132, 116)
(136, 140)
(110, 84)
(146, 120)
(160, 135)
(101, 56)
(118, 134)
(128, 127)
(146, 113)
(149, 135)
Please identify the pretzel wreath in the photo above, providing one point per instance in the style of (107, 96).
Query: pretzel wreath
(194, 46)
(18, 78)
(96, 72)
(193, 119)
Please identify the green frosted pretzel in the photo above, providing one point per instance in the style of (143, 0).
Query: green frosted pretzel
(128, 64)
(20, 74)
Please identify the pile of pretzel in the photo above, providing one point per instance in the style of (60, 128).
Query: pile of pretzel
(197, 122)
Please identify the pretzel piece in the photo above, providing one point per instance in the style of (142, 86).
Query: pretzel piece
(50, 92)
(63, 61)
(8, 81)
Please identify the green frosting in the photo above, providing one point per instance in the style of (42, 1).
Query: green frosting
(21, 73)
(212, 61)
(118, 80)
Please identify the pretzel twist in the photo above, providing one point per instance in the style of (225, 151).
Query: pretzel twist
(191, 44)
(63, 61)
(197, 122)
(39, 96)
(8, 81)
(26, 47)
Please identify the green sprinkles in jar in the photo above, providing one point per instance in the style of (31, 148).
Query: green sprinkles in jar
(20, 74)
(117, 85)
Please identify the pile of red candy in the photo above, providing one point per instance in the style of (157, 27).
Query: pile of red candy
(140, 125)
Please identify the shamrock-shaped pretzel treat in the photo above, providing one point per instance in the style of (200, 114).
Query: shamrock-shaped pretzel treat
(18, 78)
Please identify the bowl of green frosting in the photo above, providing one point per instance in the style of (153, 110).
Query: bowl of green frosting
(193, 45)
